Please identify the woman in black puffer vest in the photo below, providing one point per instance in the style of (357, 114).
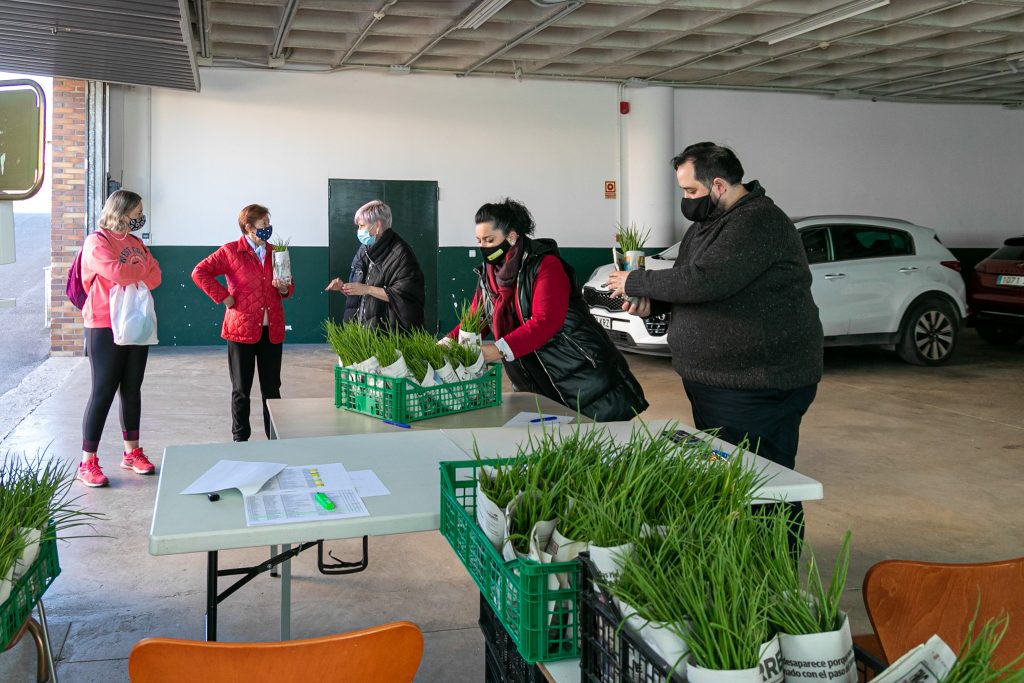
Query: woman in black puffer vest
(543, 331)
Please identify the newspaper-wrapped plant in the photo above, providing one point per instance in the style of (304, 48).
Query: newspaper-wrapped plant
(282, 260)
(471, 324)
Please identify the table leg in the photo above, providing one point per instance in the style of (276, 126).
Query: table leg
(286, 596)
(211, 595)
(273, 552)
(46, 641)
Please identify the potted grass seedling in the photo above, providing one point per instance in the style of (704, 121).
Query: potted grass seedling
(726, 603)
(496, 486)
(12, 544)
(471, 324)
(644, 591)
(814, 634)
(631, 240)
(282, 260)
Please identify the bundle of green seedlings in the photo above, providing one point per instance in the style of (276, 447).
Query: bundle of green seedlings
(699, 580)
(603, 492)
(975, 663)
(355, 343)
(631, 237)
(35, 493)
(471, 319)
(281, 244)
(802, 607)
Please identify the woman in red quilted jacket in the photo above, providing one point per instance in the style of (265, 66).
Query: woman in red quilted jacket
(254, 319)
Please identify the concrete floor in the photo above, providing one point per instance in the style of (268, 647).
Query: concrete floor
(919, 462)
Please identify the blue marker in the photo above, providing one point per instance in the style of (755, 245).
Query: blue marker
(397, 424)
(721, 454)
(544, 419)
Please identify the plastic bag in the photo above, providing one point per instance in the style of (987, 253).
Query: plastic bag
(132, 315)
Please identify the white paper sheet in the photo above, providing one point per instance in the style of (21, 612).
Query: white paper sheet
(282, 507)
(368, 484)
(537, 419)
(291, 496)
(247, 477)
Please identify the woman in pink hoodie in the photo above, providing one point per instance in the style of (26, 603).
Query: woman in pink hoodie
(114, 256)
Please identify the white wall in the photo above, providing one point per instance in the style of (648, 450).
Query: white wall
(276, 139)
(955, 168)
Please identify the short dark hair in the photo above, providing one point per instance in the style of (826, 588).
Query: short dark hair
(507, 215)
(250, 215)
(711, 161)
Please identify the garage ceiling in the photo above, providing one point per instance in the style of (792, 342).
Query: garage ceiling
(141, 42)
(919, 50)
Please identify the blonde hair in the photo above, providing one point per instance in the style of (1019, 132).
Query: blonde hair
(116, 209)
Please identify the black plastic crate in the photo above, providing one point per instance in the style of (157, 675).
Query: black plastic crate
(502, 661)
(608, 653)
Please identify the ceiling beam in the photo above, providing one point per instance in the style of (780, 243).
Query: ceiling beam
(283, 28)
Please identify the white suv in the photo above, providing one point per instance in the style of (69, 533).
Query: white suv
(877, 281)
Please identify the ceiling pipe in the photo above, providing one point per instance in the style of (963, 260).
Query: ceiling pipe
(377, 16)
(569, 9)
(284, 28)
(203, 27)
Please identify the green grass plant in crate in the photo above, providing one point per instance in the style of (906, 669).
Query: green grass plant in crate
(603, 492)
(416, 395)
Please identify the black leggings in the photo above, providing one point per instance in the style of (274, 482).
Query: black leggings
(115, 370)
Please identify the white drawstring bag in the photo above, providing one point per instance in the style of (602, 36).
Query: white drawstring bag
(132, 315)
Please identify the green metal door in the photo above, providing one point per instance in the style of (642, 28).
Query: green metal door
(414, 216)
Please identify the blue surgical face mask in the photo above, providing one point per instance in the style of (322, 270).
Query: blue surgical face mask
(365, 238)
(265, 233)
(136, 223)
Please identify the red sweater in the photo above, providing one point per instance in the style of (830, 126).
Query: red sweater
(549, 304)
(249, 281)
(109, 259)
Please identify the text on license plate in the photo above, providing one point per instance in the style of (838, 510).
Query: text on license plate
(605, 321)
(1012, 280)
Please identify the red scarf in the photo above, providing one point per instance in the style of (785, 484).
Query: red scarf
(503, 284)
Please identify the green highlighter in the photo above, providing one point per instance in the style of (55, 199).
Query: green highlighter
(325, 502)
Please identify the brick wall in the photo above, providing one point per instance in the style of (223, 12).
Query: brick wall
(68, 112)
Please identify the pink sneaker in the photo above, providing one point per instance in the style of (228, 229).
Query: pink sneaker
(137, 462)
(90, 474)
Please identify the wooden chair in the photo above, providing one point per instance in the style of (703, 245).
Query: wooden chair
(389, 653)
(908, 602)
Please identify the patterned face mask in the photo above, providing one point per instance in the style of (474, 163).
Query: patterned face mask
(265, 233)
(136, 223)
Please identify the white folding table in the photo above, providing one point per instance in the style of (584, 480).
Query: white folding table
(407, 463)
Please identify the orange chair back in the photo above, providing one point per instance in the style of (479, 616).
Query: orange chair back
(908, 602)
(383, 654)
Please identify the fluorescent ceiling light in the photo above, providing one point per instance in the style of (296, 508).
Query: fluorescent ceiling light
(824, 19)
(484, 11)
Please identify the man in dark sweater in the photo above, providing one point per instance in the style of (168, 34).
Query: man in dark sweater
(745, 334)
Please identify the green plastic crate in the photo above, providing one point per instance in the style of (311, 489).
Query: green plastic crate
(29, 588)
(542, 621)
(401, 400)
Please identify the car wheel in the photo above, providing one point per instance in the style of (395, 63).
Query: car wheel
(998, 334)
(929, 332)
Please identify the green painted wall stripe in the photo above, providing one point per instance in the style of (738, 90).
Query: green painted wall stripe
(188, 318)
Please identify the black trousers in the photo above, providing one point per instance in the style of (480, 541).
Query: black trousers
(768, 418)
(115, 370)
(243, 360)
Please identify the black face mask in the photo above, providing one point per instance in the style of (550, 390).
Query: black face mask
(698, 210)
(496, 255)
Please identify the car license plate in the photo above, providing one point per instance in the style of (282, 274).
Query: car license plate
(605, 321)
(1011, 280)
